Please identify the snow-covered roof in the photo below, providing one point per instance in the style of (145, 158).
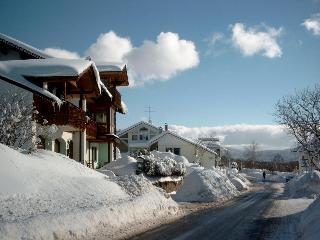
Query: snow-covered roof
(23, 47)
(156, 138)
(17, 70)
(21, 82)
(46, 67)
(124, 131)
(109, 66)
(105, 89)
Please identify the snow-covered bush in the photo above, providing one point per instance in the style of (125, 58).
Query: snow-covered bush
(234, 165)
(17, 128)
(161, 164)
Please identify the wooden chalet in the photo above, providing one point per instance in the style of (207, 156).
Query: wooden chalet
(89, 100)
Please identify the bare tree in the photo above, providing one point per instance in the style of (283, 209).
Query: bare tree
(300, 113)
(17, 128)
(251, 152)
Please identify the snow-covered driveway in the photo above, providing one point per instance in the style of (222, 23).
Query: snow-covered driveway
(263, 214)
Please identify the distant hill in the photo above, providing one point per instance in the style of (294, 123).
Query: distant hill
(266, 155)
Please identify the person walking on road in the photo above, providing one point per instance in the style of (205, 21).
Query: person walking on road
(264, 175)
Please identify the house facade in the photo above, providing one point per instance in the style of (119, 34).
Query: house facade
(143, 135)
(75, 96)
(137, 137)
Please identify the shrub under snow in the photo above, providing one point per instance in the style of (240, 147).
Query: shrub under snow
(161, 165)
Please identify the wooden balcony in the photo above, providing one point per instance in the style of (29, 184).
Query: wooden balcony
(91, 128)
(66, 114)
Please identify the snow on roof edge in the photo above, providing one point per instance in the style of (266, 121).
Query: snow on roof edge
(31, 87)
(24, 46)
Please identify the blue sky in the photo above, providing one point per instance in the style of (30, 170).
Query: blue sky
(223, 86)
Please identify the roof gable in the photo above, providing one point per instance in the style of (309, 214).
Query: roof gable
(156, 138)
(139, 124)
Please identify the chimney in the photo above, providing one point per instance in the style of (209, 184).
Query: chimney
(166, 126)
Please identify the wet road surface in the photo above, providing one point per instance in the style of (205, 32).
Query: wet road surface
(241, 218)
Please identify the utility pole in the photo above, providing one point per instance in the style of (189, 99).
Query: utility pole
(149, 111)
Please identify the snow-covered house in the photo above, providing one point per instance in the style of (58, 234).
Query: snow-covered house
(144, 135)
(193, 151)
(76, 96)
(137, 136)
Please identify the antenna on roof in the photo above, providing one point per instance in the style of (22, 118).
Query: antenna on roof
(149, 111)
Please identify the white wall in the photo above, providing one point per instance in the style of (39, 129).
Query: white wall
(188, 150)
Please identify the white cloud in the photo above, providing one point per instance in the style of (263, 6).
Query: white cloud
(162, 59)
(213, 41)
(61, 53)
(252, 41)
(216, 37)
(152, 61)
(239, 135)
(313, 24)
(109, 47)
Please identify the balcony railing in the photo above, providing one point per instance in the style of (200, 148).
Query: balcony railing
(65, 114)
(91, 128)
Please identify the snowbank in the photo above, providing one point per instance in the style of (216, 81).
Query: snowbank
(256, 175)
(310, 221)
(205, 186)
(239, 181)
(125, 165)
(305, 185)
(48, 196)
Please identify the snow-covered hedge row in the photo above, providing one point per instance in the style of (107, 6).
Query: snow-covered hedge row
(153, 166)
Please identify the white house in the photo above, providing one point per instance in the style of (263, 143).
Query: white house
(137, 137)
(194, 152)
(143, 135)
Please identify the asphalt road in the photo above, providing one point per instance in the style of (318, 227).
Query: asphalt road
(241, 218)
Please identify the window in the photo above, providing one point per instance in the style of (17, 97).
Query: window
(94, 154)
(143, 129)
(57, 146)
(70, 149)
(101, 117)
(41, 143)
(144, 137)
(169, 150)
(134, 137)
(176, 151)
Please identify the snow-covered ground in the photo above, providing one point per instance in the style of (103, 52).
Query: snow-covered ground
(45, 195)
(255, 175)
(296, 208)
(199, 184)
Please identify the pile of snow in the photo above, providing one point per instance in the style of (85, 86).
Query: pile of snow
(239, 181)
(206, 186)
(125, 165)
(305, 185)
(310, 221)
(46, 195)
